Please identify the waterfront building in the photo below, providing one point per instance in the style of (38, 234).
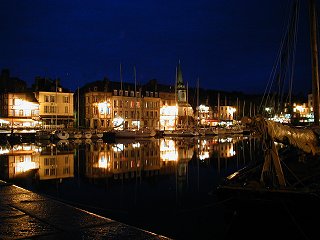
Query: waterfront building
(175, 111)
(19, 110)
(185, 111)
(204, 116)
(55, 103)
(18, 107)
(119, 105)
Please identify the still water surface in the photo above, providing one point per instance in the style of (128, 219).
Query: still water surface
(166, 185)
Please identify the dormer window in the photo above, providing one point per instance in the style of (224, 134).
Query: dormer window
(156, 94)
(121, 93)
(151, 94)
(131, 93)
(95, 89)
(126, 93)
(147, 93)
(115, 92)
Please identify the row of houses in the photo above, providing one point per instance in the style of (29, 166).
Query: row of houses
(101, 104)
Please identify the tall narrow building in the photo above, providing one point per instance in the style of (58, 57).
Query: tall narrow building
(185, 111)
(180, 87)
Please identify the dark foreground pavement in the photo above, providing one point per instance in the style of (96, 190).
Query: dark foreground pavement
(27, 215)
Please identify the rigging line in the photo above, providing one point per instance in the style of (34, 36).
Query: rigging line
(292, 42)
(294, 50)
(287, 57)
(266, 95)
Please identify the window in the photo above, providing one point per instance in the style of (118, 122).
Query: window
(66, 110)
(121, 93)
(52, 98)
(46, 98)
(46, 109)
(65, 99)
(126, 93)
(131, 93)
(115, 92)
(151, 94)
(115, 103)
(147, 93)
(52, 109)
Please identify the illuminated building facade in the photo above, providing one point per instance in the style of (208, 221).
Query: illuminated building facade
(19, 110)
(120, 105)
(185, 111)
(55, 103)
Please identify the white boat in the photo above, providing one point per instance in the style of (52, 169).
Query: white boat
(75, 135)
(43, 135)
(140, 133)
(61, 134)
(87, 134)
(181, 133)
(234, 129)
(97, 134)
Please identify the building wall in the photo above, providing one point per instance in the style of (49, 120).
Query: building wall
(102, 108)
(56, 106)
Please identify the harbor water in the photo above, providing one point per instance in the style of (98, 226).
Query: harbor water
(166, 185)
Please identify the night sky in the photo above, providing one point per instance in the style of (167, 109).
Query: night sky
(229, 45)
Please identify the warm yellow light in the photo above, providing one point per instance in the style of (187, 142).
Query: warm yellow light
(102, 107)
(168, 150)
(25, 105)
(118, 123)
(204, 155)
(169, 111)
(26, 165)
(102, 163)
(300, 108)
(203, 109)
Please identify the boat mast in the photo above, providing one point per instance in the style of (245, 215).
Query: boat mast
(135, 98)
(78, 114)
(315, 61)
(198, 118)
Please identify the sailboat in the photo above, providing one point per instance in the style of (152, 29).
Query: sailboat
(289, 170)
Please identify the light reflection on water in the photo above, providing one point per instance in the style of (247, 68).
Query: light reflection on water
(162, 185)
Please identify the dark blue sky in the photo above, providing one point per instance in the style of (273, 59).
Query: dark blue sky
(229, 45)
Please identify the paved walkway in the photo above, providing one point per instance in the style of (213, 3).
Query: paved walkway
(27, 215)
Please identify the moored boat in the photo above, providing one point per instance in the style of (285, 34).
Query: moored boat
(61, 135)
